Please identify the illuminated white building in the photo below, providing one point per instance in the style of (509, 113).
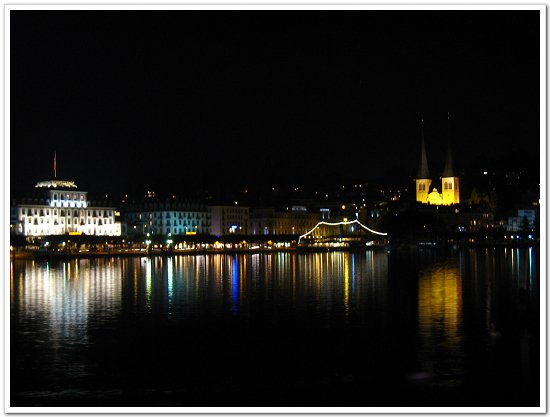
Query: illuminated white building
(60, 209)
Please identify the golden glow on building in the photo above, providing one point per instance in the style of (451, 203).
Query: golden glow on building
(449, 181)
(451, 192)
(422, 190)
(449, 196)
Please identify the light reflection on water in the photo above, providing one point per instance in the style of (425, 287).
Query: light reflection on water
(63, 298)
(440, 318)
(380, 298)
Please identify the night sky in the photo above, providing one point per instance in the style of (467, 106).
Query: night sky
(186, 99)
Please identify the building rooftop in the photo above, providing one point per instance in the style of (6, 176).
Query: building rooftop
(56, 184)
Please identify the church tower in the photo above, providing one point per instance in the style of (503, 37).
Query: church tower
(449, 181)
(423, 180)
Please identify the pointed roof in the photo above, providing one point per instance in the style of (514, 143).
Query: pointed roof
(423, 172)
(448, 170)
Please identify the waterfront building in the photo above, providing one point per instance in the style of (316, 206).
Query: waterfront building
(229, 219)
(471, 220)
(450, 193)
(293, 220)
(59, 207)
(525, 219)
(162, 218)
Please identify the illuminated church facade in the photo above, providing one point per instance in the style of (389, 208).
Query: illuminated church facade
(450, 188)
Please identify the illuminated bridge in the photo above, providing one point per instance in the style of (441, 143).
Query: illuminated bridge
(342, 234)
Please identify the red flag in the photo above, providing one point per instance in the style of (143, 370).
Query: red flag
(54, 164)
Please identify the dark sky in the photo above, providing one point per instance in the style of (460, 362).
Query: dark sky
(174, 99)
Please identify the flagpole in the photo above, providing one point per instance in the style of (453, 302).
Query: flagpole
(55, 164)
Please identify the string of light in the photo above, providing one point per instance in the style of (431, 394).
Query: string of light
(340, 223)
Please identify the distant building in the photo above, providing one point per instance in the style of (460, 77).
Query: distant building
(57, 208)
(526, 218)
(295, 220)
(468, 221)
(229, 219)
(449, 181)
(162, 218)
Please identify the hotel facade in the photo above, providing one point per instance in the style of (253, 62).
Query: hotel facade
(59, 208)
(169, 217)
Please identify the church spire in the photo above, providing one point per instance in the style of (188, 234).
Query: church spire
(448, 170)
(423, 172)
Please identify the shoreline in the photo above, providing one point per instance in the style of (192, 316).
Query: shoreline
(24, 254)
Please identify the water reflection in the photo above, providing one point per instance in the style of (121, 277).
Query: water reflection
(66, 294)
(440, 319)
(63, 297)
(371, 317)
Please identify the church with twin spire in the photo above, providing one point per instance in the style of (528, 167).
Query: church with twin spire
(450, 190)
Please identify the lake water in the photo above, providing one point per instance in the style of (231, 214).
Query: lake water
(377, 328)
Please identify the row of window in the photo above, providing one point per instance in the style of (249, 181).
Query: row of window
(446, 186)
(64, 197)
(43, 232)
(178, 230)
(75, 221)
(166, 215)
(43, 212)
(176, 222)
(234, 218)
(238, 211)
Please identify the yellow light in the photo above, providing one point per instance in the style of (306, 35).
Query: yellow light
(75, 233)
(190, 233)
(343, 206)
